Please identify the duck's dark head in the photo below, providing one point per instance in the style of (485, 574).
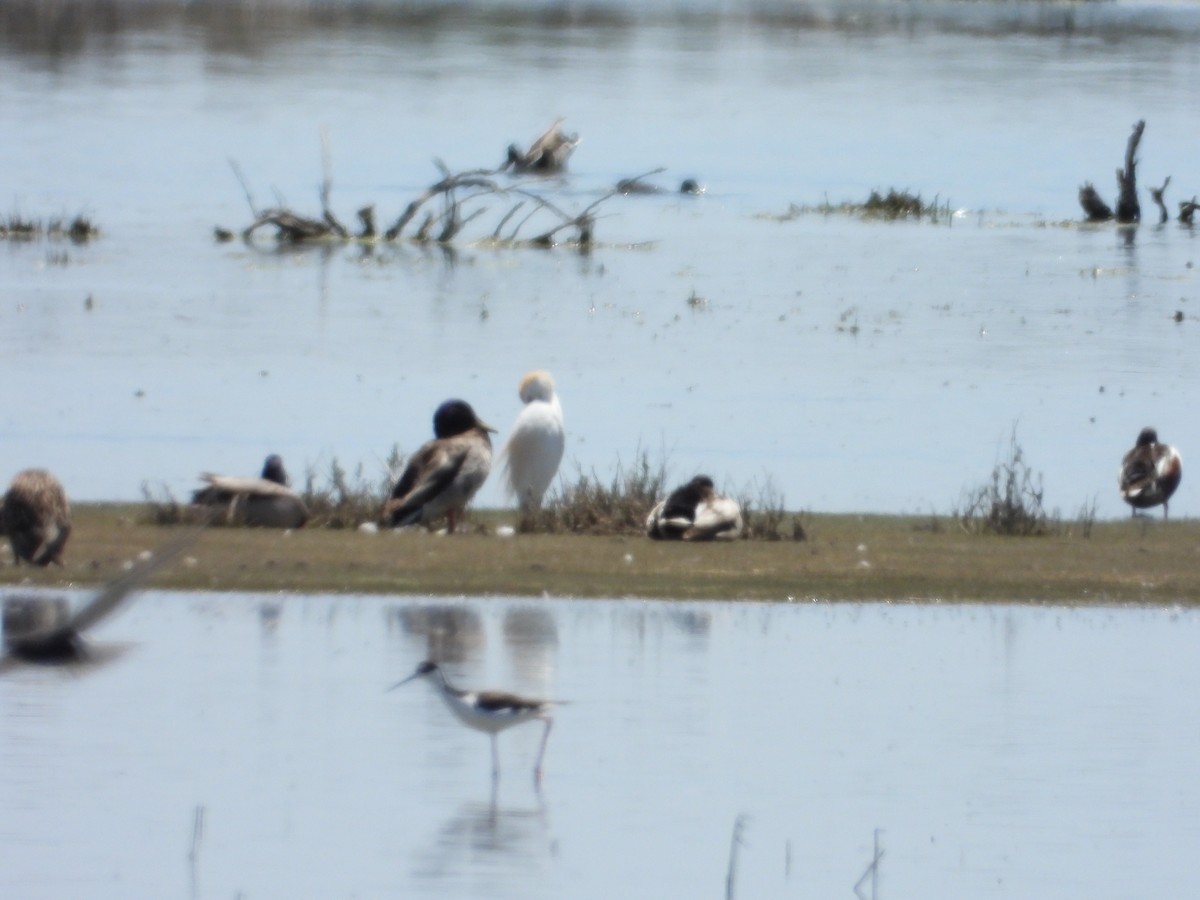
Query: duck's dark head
(691, 186)
(1147, 438)
(456, 417)
(273, 470)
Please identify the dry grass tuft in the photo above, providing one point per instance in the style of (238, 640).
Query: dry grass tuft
(591, 506)
(1011, 503)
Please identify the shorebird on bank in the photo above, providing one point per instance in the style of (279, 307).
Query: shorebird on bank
(445, 473)
(695, 512)
(36, 517)
(534, 448)
(488, 711)
(1150, 473)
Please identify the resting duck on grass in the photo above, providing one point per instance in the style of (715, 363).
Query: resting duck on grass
(535, 445)
(695, 512)
(441, 478)
(264, 502)
(1150, 473)
(36, 517)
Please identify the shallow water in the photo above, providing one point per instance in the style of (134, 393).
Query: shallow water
(998, 751)
(853, 366)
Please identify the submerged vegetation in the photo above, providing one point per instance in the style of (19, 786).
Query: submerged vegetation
(80, 229)
(890, 207)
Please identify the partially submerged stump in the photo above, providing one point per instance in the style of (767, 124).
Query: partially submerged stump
(1129, 210)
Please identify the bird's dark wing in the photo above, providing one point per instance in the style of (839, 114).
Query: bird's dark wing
(427, 476)
(119, 588)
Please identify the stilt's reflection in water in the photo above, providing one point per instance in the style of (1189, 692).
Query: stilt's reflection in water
(484, 841)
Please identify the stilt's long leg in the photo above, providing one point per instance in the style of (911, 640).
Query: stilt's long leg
(537, 769)
(495, 759)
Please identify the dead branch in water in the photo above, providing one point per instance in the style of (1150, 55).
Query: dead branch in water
(463, 198)
(1128, 208)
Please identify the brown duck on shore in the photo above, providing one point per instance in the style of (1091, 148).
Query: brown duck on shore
(444, 474)
(695, 512)
(263, 502)
(1150, 472)
(36, 517)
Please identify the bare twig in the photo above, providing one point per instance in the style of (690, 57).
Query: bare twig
(872, 872)
(237, 173)
(737, 842)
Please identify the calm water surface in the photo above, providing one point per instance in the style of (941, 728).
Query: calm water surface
(1000, 752)
(854, 366)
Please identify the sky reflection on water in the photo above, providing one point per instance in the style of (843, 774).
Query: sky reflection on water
(1000, 750)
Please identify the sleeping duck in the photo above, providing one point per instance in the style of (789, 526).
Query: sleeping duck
(1150, 472)
(263, 502)
(36, 517)
(695, 512)
(444, 474)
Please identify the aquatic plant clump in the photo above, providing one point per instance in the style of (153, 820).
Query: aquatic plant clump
(890, 207)
(18, 228)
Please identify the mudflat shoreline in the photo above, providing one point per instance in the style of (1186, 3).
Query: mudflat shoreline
(844, 558)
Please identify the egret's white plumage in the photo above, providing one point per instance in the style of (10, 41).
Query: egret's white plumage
(534, 448)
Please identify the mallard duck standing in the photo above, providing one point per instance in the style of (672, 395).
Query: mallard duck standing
(695, 512)
(535, 445)
(36, 517)
(1150, 472)
(444, 474)
(264, 502)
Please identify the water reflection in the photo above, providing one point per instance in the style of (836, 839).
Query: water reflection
(489, 844)
(248, 28)
(449, 633)
(1003, 750)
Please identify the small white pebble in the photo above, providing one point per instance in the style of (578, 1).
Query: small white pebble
(190, 561)
(505, 531)
(145, 556)
(368, 528)
(864, 564)
(862, 548)
(628, 558)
